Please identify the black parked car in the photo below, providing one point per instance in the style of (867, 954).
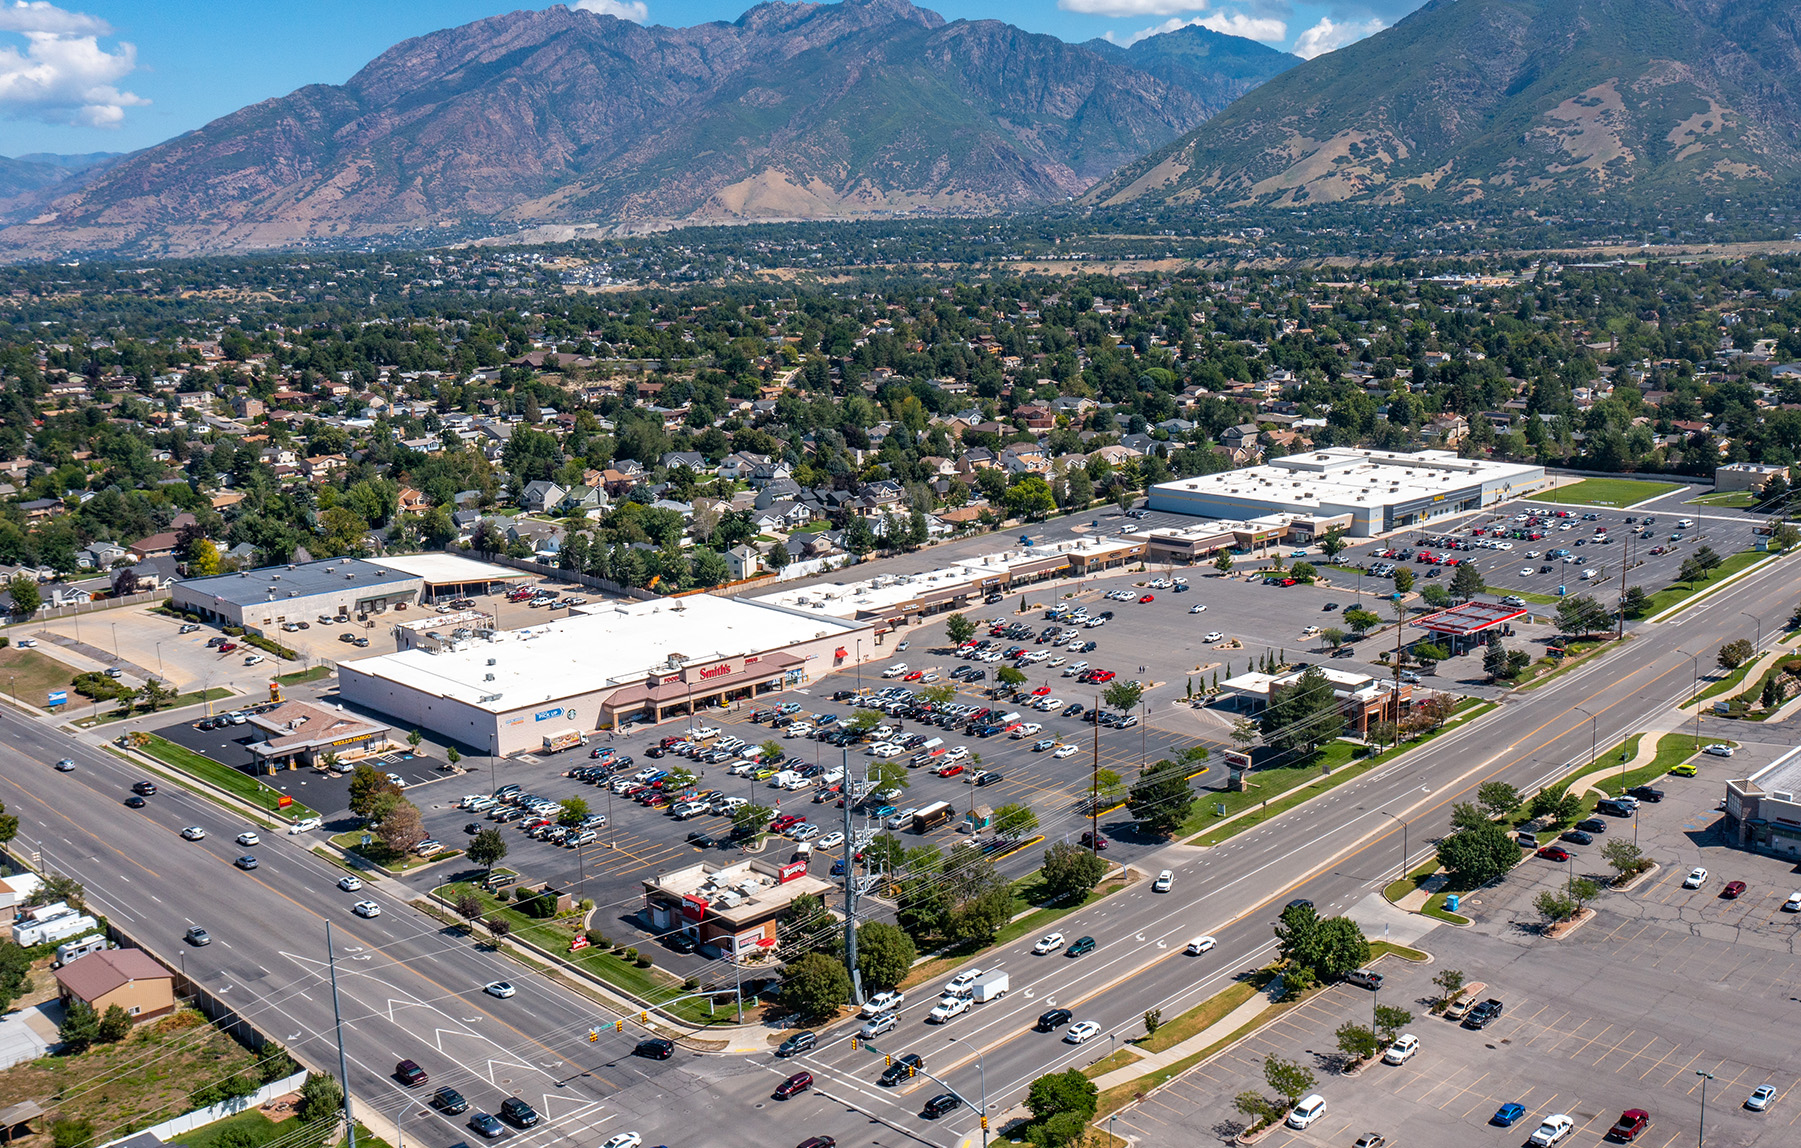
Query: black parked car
(681, 942)
(1645, 793)
(1592, 825)
(1482, 1014)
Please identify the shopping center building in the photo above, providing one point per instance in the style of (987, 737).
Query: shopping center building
(606, 664)
(1370, 492)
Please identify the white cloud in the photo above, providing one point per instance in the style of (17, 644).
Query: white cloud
(637, 11)
(1267, 30)
(1329, 36)
(1133, 8)
(63, 76)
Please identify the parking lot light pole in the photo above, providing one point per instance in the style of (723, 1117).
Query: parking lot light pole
(1701, 1130)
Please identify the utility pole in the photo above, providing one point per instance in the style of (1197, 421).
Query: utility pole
(850, 886)
(1624, 566)
(337, 1017)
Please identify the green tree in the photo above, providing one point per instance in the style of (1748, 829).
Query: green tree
(1436, 596)
(15, 973)
(1466, 815)
(451, 755)
(487, 848)
(1303, 715)
(1479, 855)
(1342, 948)
(1582, 891)
(1060, 1092)
(572, 812)
(1361, 621)
(751, 821)
(1332, 636)
(1286, 1078)
(1735, 653)
(1390, 1021)
(1554, 906)
(26, 597)
(115, 1025)
(1450, 982)
(959, 628)
(1332, 544)
(1222, 561)
(1497, 797)
(1707, 560)
(1623, 856)
(1010, 677)
(320, 1098)
(71, 1132)
(1298, 936)
(1467, 582)
(1259, 1109)
(1014, 820)
(1161, 799)
(80, 1027)
(9, 824)
(884, 954)
(402, 828)
(1494, 659)
(1153, 1020)
(368, 789)
(1403, 580)
(1784, 537)
(1123, 696)
(814, 986)
(1579, 616)
(1357, 1041)
(1635, 602)
(1070, 872)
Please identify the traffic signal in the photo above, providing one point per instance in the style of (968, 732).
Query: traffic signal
(912, 1071)
(854, 1045)
(889, 1060)
(643, 1018)
(984, 1124)
(593, 1035)
(618, 1026)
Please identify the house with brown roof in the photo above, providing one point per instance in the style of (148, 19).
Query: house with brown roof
(129, 978)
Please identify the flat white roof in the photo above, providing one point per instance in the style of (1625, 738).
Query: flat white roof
(601, 645)
(847, 599)
(447, 568)
(1341, 478)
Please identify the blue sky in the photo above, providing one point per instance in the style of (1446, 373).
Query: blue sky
(116, 75)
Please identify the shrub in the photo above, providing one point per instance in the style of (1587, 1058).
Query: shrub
(630, 954)
(599, 939)
(642, 962)
(71, 1132)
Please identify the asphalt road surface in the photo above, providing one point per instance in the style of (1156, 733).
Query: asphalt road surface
(412, 988)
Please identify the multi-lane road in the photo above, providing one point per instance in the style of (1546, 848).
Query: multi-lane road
(412, 988)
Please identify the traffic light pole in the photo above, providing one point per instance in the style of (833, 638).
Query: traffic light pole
(961, 1099)
(850, 884)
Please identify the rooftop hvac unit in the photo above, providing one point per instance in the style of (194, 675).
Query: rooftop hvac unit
(275, 577)
(492, 661)
(487, 677)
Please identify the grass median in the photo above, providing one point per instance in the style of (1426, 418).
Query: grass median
(1684, 593)
(218, 775)
(1274, 789)
(553, 937)
(177, 702)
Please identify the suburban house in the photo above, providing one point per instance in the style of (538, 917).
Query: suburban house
(541, 495)
(129, 978)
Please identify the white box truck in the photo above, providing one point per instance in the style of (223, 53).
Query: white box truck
(991, 985)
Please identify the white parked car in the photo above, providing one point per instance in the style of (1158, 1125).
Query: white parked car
(1402, 1050)
(895, 670)
(1049, 943)
(1718, 750)
(903, 819)
(1081, 1031)
(886, 749)
(1793, 904)
(624, 1140)
(1213, 636)
(1695, 877)
(1197, 608)
(1199, 945)
(1064, 751)
(1553, 1131)
(1164, 880)
(350, 884)
(830, 841)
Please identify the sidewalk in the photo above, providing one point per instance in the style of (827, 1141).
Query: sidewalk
(1653, 732)
(1220, 1029)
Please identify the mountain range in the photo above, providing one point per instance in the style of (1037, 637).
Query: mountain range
(1516, 103)
(561, 116)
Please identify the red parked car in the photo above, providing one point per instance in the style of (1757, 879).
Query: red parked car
(950, 770)
(1733, 890)
(1554, 853)
(1631, 1122)
(1148, 598)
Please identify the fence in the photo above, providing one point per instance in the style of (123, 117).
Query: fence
(201, 1117)
(51, 613)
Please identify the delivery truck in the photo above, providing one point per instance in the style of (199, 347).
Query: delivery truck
(564, 739)
(932, 816)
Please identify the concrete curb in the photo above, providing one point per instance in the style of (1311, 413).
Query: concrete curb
(1754, 568)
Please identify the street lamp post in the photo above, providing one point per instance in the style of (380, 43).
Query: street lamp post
(1701, 1130)
(1591, 734)
(1695, 692)
(1386, 813)
(1759, 643)
(982, 1082)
